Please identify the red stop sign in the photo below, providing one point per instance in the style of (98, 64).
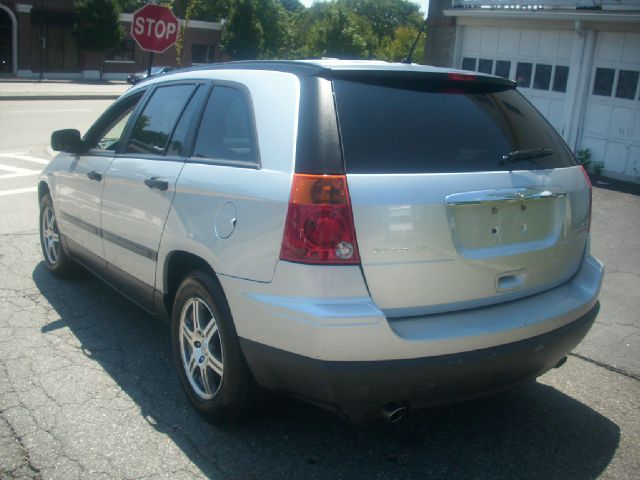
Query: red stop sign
(154, 28)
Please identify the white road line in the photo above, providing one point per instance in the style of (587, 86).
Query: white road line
(15, 175)
(52, 111)
(27, 158)
(16, 191)
(12, 169)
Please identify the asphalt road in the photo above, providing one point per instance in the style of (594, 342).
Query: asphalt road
(88, 390)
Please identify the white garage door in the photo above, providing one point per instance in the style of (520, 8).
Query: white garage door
(537, 59)
(612, 120)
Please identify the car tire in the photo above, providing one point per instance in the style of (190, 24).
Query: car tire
(55, 257)
(211, 367)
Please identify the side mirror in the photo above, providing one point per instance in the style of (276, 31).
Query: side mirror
(67, 140)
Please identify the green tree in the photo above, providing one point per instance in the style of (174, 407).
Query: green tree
(255, 29)
(97, 27)
(385, 16)
(243, 36)
(396, 48)
(339, 32)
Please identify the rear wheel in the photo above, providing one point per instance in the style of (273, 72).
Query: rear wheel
(211, 367)
(55, 258)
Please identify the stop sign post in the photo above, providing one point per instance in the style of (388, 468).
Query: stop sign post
(155, 29)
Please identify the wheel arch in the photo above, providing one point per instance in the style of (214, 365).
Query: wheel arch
(43, 189)
(177, 265)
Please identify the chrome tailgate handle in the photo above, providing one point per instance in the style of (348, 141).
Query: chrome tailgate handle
(507, 195)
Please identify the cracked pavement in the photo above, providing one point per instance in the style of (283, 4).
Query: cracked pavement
(88, 390)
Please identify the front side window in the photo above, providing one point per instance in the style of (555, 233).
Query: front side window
(153, 128)
(226, 129)
(106, 133)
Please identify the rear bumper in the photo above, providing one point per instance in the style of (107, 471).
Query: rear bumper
(359, 389)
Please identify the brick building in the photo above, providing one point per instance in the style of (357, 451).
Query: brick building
(35, 38)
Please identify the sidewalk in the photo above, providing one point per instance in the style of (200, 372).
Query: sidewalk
(20, 89)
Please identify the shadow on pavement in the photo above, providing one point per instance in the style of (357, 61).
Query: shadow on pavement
(533, 432)
(616, 185)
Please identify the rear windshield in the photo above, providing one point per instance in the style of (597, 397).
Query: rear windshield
(393, 127)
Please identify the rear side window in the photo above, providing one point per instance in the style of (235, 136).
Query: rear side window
(153, 128)
(226, 129)
(391, 128)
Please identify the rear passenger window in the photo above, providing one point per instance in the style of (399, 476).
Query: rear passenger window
(154, 126)
(181, 133)
(226, 129)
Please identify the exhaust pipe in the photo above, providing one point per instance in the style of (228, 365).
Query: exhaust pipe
(393, 413)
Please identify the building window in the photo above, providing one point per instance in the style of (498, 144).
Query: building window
(469, 63)
(627, 84)
(542, 78)
(560, 77)
(202, 53)
(503, 68)
(126, 52)
(603, 83)
(523, 74)
(485, 66)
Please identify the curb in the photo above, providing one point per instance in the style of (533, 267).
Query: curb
(112, 96)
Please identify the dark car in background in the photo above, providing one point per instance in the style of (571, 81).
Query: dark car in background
(140, 76)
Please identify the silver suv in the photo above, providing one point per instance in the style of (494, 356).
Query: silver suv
(371, 237)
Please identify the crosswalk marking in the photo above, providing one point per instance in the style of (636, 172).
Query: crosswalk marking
(27, 158)
(11, 171)
(15, 191)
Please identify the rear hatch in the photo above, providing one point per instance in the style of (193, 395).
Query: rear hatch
(463, 195)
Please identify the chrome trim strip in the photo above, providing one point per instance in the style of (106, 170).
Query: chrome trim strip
(112, 237)
(511, 195)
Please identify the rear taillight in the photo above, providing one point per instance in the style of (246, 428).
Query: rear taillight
(586, 176)
(319, 226)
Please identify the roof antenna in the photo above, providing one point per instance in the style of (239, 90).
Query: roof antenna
(409, 58)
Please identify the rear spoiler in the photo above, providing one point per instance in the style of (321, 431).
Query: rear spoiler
(458, 80)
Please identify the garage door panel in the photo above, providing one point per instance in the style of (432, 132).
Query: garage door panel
(548, 44)
(471, 39)
(565, 46)
(635, 137)
(616, 156)
(633, 165)
(610, 46)
(631, 50)
(621, 121)
(528, 43)
(508, 41)
(598, 116)
(489, 43)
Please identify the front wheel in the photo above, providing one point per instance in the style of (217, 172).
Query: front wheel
(55, 258)
(211, 367)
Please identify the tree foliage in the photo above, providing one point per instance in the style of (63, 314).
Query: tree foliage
(340, 33)
(255, 29)
(396, 47)
(262, 29)
(97, 27)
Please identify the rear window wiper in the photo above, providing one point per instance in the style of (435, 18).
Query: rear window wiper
(520, 155)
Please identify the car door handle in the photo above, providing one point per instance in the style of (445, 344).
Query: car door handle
(93, 175)
(155, 182)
